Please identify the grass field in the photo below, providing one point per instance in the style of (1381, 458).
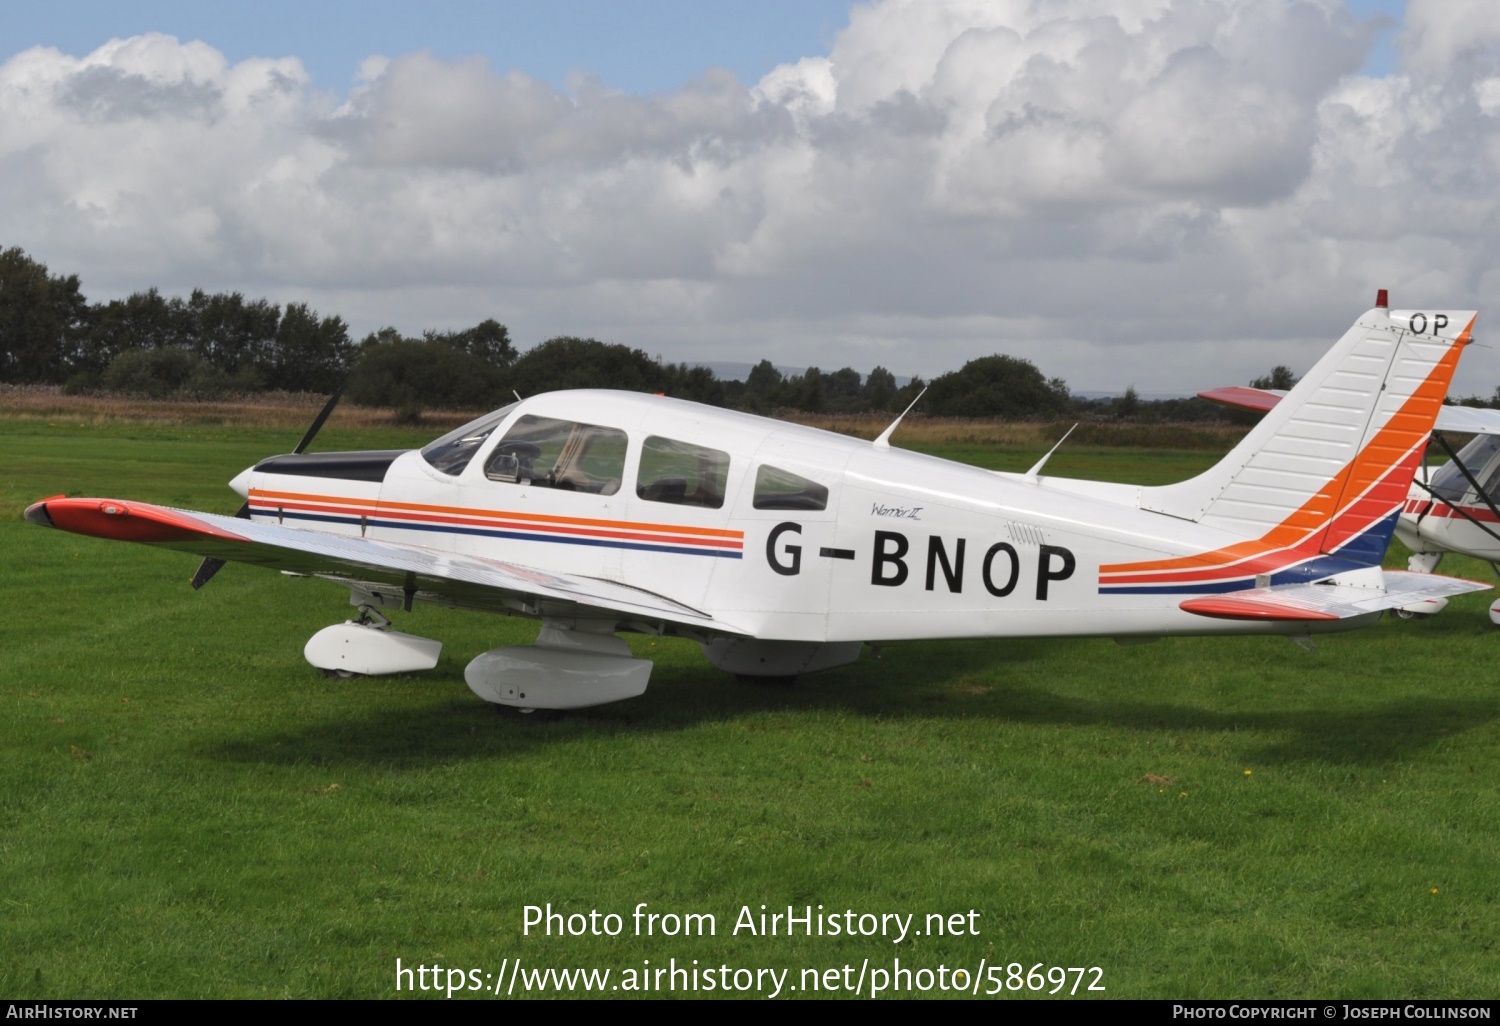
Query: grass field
(188, 809)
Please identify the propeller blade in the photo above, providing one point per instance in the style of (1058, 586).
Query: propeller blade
(210, 565)
(317, 425)
(206, 571)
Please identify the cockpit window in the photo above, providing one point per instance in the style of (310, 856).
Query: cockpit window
(1451, 485)
(682, 473)
(781, 489)
(563, 454)
(452, 453)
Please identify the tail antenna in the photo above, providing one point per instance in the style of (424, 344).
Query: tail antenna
(884, 441)
(1031, 475)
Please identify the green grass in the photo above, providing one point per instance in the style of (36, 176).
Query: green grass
(188, 809)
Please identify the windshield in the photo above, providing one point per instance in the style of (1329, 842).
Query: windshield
(452, 453)
(1449, 482)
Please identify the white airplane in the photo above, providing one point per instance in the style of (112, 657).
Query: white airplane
(1455, 508)
(783, 550)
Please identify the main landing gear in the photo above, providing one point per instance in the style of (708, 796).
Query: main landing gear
(368, 647)
(573, 664)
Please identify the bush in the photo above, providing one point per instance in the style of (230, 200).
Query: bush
(170, 372)
(411, 375)
(997, 386)
(568, 362)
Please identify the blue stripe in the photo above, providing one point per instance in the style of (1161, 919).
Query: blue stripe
(1214, 588)
(491, 533)
(1368, 547)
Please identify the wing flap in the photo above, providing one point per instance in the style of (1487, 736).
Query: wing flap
(1323, 602)
(469, 581)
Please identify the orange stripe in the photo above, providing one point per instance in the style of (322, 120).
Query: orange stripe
(542, 518)
(593, 532)
(1401, 433)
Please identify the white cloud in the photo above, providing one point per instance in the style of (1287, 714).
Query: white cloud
(1173, 193)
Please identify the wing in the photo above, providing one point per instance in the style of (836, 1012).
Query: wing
(383, 567)
(1467, 420)
(1245, 398)
(1315, 602)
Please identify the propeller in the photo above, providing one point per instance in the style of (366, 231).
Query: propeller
(210, 564)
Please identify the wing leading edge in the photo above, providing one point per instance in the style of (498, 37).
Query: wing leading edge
(470, 582)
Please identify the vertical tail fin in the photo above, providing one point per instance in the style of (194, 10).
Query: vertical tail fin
(1326, 471)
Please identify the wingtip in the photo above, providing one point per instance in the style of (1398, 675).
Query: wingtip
(126, 521)
(36, 513)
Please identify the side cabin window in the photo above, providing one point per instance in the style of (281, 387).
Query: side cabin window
(452, 452)
(562, 454)
(682, 473)
(781, 489)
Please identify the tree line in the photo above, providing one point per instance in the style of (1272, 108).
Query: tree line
(213, 344)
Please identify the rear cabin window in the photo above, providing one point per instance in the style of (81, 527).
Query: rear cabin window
(781, 489)
(682, 473)
(562, 454)
(452, 453)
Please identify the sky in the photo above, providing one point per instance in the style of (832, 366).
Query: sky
(1170, 194)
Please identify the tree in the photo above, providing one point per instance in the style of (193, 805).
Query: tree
(228, 332)
(310, 355)
(807, 391)
(43, 320)
(489, 340)
(842, 389)
(1280, 378)
(694, 382)
(880, 389)
(410, 374)
(1129, 404)
(908, 393)
(568, 362)
(997, 386)
(142, 320)
(763, 386)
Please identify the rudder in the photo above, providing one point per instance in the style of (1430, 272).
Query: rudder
(1325, 472)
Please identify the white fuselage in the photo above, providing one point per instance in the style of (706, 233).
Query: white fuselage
(907, 546)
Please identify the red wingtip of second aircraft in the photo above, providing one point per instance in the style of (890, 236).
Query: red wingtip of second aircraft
(1242, 397)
